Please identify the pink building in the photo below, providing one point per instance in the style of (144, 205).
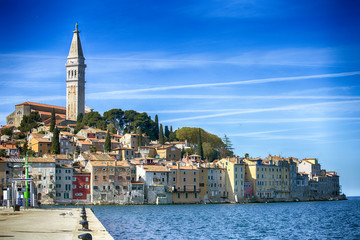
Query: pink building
(248, 190)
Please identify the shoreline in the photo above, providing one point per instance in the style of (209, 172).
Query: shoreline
(337, 198)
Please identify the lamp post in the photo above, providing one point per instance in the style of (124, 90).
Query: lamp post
(26, 193)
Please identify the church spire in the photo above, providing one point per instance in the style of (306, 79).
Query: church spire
(76, 49)
(75, 80)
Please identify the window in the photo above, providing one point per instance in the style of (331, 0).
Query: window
(195, 195)
(174, 179)
(194, 179)
(104, 177)
(58, 194)
(184, 179)
(186, 195)
(87, 186)
(178, 195)
(86, 179)
(95, 187)
(74, 186)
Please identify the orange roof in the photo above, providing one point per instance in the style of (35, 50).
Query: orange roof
(38, 159)
(84, 142)
(43, 140)
(41, 105)
(109, 164)
(155, 168)
(184, 168)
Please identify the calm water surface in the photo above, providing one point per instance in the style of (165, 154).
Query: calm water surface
(300, 220)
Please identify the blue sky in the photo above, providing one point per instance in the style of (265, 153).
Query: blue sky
(276, 77)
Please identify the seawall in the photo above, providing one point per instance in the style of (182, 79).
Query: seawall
(38, 224)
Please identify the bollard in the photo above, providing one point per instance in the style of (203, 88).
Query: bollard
(83, 211)
(85, 236)
(84, 224)
(83, 217)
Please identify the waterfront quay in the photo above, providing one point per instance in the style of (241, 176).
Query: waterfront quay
(38, 224)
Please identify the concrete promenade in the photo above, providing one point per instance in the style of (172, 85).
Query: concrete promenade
(39, 224)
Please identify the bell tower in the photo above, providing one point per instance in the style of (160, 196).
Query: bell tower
(75, 80)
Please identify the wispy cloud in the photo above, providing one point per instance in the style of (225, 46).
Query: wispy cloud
(318, 90)
(98, 96)
(257, 133)
(244, 82)
(284, 108)
(285, 120)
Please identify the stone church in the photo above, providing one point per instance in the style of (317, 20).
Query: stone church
(75, 92)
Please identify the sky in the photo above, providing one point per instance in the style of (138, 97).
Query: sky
(277, 77)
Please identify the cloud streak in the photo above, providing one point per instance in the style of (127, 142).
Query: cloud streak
(244, 82)
(284, 108)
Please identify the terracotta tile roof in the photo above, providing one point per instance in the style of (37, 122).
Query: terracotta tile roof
(137, 183)
(84, 142)
(117, 135)
(41, 105)
(100, 157)
(44, 159)
(184, 168)
(155, 168)
(43, 140)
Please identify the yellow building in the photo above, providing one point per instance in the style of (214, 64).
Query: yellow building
(40, 146)
(235, 175)
(185, 183)
(203, 182)
(270, 179)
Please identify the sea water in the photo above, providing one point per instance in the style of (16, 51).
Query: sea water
(297, 220)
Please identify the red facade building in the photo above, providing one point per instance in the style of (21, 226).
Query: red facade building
(81, 185)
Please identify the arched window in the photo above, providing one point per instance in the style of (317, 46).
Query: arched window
(75, 73)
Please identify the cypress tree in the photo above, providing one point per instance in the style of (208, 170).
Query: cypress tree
(55, 145)
(107, 146)
(167, 132)
(140, 138)
(199, 147)
(52, 121)
(161, 135)
(156, 130)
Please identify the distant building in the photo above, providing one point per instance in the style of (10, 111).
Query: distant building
(185, 184)
(63, 183)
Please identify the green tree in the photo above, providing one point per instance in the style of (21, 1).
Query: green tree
(92, 149)
(7, 131)
(228, 145)
(200, 150)
(55, 145)
(94, 119)
(167, 132)
(79, 122)
(156, 129)
(29, 122)
(210, 152)
(161, 135)
(140, 138)
(52, 120)
(3, 153)
(116, 117)
(24, 148)
(110, 127)
(172, 135)
(107, 145)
